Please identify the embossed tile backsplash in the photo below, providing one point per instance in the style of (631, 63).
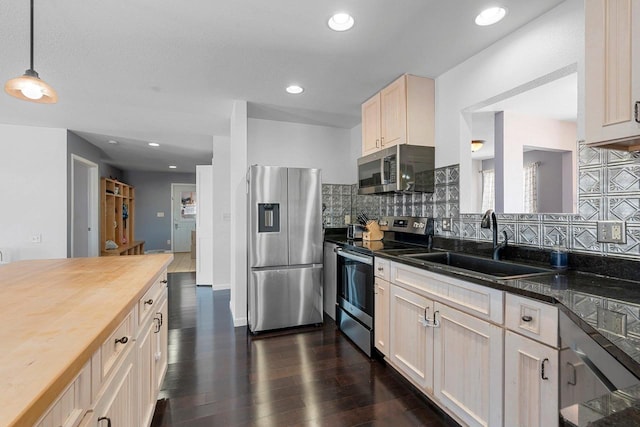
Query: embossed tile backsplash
(608, 189)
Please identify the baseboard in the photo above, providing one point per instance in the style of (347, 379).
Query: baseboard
(237, 321)
(221, 287)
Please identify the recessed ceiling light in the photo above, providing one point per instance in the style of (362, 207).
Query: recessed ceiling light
(112, 141)
(172, 167)
(341, 22)
(490, 16)
(295, 89)
(154, 144)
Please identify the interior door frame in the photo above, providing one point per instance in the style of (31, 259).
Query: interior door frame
(173, 186)
(92, 215)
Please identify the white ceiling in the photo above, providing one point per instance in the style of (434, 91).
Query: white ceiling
(168, 71)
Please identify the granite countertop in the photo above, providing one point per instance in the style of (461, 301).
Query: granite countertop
(581, 295)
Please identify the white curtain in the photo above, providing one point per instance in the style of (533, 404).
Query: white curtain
(530, 178)
(488, 189)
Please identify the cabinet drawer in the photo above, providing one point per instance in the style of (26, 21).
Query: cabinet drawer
(480, 301)
(70, 407)
(381, 268)
(116, 345)
(151, 298)
(533, 319)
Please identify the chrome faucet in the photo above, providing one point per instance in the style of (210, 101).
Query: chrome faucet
(489, 220)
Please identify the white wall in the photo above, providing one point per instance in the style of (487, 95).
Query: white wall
(550, 43)
(204, 225)
(238, 188)
(221, 213)
(33, 173)
(276, 143)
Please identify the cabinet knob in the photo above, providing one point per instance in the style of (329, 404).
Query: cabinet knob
(527, 318)
(122, 340)
(380, 269)
(163, 281)
(149, 301)
(103, 419)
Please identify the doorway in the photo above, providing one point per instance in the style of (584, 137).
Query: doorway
(84, 208)
(184, 208)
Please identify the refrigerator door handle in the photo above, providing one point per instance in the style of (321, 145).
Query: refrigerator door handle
(349, 255)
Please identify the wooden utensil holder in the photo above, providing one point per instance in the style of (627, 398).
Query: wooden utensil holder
(373, 232)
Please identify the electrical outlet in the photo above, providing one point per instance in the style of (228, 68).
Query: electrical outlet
(612, 322)
(446, 224)
(168, 241)
(36, 238)
(612, 232)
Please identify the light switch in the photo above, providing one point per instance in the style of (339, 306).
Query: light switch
(160, 214)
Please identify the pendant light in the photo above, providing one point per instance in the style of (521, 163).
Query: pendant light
(29, 86)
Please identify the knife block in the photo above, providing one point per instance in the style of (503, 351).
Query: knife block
(373, 232)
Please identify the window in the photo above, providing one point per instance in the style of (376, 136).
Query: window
(488, 190)
(530, 179)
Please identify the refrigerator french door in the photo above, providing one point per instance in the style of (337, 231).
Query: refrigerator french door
(285, 248)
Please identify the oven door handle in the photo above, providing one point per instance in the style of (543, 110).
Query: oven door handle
(349, 255)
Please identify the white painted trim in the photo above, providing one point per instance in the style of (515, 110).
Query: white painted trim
(237, 321)
(173, 185)
(221, 287)
(93, 244)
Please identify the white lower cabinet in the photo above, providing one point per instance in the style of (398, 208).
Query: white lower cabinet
(411, 336)
(531, 382)
(381, 316)
(118, 406)
(119, 386)
(468, 363)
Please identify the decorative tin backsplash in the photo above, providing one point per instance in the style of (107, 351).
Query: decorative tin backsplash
(608, 189)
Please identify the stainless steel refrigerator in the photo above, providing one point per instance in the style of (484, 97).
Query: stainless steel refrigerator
(284, 283)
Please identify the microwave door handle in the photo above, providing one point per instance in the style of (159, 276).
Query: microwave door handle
(354, 257)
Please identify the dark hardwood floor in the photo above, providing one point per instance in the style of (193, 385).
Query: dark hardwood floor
(219, 375)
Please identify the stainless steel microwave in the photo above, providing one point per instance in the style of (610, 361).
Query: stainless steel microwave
(401, 168)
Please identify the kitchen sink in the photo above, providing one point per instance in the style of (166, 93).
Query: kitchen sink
(485, 266)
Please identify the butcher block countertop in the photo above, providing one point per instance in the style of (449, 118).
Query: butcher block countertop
(55, 314)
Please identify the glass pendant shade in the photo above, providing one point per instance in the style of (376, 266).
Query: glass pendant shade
(29, 87)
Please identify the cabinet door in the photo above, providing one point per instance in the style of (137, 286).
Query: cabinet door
(411, 344)
(146, 377)
(381, 317)
(371, 125)
(531, 383)
(612, 70)
(393, 107)
(119, 404)
(161, 346)
(468, 356)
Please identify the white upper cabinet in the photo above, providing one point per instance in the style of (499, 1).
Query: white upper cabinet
(401, 113)
(612, 73)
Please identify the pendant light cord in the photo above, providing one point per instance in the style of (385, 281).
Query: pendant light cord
(31, 34)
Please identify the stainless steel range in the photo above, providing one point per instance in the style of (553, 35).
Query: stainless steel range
(355, 305)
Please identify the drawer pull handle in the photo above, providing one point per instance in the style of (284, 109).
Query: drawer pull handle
(527, 318)
(122, 340)
(163, 281)
(158, 324)
(574, 377)
(105, 418)
(637, 111)
(149, 301)
(542, 375)
(161, 319)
